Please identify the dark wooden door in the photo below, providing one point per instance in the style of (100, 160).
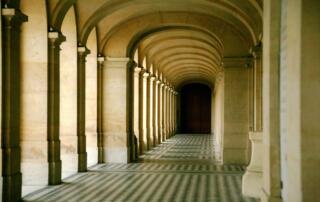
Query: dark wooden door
(195, 108)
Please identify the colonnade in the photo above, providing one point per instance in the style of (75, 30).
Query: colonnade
(155, 102)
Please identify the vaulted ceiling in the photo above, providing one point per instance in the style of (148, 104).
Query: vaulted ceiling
(182, 40)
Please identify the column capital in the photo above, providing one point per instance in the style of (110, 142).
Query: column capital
(56, 38)
(158, 81)
(118, 62)
(256, 51)
(146, 75)
(13, 15)
(137, 70)
(152, 77)
(82, 50)
(101, 59)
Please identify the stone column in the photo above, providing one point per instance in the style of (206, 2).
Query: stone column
(172, 112)
(150, 82)
(136, 100)
(252, 179)
(175, 112)
(164, 112)
(155, 110)
(168, 112)
(160, 111)
(81, 108)
(144, 139)
(152, 99)
(54, 160)
(11, 160)
(100, 108)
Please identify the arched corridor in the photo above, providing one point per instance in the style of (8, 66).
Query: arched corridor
(183, 168)
(122, 98)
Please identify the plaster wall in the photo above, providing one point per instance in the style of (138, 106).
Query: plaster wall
(68, 95)
(34, 91)
(236, 116)
(115, 110)
(91, 100)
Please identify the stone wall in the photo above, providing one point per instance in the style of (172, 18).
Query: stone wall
(236, 116)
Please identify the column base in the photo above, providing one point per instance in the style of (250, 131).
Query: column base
(12, 187)
(1, 188)
(252, 179)
(160, 134)
(265, 197)
(100, 155)
(55, 173)
(251, 184)
(82, 162)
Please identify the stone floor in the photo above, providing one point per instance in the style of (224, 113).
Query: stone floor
(183, 168)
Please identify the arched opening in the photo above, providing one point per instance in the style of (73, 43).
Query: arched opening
(195, 108)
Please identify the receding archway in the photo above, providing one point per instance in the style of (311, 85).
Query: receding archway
(195, 108)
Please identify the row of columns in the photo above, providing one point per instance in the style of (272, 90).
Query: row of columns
(10, 135)
(154, 110)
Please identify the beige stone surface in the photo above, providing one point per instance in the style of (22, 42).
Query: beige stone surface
(236, 122)
(271, 137)
(68, 96)
(91, 100)
(252, 179)
(34, 97)
(303, 83)
(115, 109)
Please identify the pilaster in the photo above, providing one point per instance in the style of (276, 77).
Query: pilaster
(11, 159)
(252, 179)
(54, 157)
(100, 139)
(257, 88)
